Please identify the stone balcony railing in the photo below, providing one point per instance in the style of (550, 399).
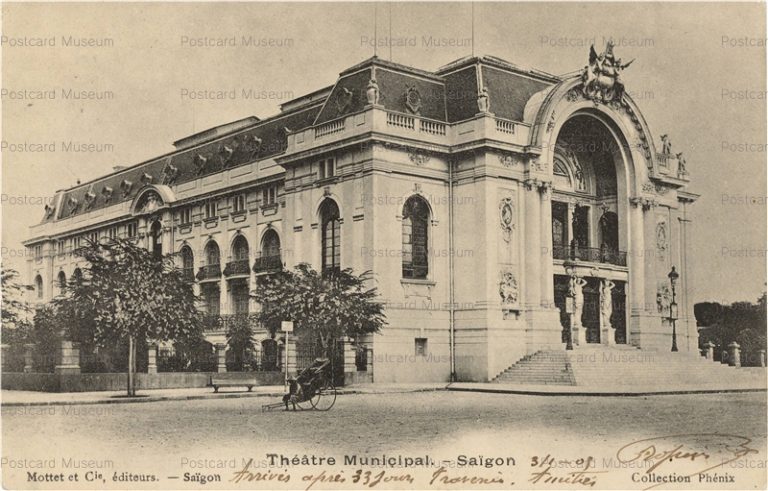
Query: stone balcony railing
(669, 166)
(188, 274)
(238, 267)
(209, 272)
(590, 255)
(376, 119)
(268, 264)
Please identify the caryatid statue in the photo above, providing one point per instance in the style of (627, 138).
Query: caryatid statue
(606, 310)
(576, 292)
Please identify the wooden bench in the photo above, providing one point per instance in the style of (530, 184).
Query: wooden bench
(217, 381)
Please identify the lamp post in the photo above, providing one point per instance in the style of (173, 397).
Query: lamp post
(673, 276)
(570, 270)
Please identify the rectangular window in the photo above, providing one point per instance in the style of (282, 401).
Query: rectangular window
(185, 216)
(60, 247)
(421, 346)
(76, 243)
(38, 251)
(211, 209)
(269, 195)
(132, 230)
(112, 233)
(327, 168)
(238, 204)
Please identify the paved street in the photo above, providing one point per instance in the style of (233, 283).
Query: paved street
(138, 437)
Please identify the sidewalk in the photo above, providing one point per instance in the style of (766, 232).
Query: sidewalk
(10, 398)
(606, 390)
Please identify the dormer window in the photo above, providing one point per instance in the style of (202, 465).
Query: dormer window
(327, 168)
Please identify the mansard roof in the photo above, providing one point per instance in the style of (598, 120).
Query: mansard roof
(449, 94)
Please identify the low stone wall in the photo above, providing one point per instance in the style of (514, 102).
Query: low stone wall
(89, 382)
(358, 377)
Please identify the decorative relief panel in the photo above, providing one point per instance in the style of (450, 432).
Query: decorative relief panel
(507, 218)
(508, 289)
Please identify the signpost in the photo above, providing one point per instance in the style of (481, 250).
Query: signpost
(286, 327)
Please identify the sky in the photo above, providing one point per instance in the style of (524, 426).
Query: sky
(698, 75)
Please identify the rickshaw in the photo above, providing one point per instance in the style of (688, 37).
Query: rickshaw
(312, 388)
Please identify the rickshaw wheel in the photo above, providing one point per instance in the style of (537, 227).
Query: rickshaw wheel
(325, 397)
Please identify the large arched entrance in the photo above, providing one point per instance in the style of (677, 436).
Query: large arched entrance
(589, 230)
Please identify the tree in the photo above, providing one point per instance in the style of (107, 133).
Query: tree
(128, 294)
(14, 308)
(15, 322)
(742, 322)
(323, 307)
(240, 340)
(45, 334)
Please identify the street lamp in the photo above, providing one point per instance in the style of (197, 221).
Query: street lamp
(570, 270)
(673, 276)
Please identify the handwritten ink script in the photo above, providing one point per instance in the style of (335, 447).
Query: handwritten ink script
(677, 458)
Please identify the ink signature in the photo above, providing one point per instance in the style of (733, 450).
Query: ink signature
(690, 453)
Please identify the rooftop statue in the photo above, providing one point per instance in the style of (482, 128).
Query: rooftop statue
(602, 77)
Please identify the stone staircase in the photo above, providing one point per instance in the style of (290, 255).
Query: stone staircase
(540, 368)
(622, 367)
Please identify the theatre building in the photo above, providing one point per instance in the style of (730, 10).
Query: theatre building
(504, 211)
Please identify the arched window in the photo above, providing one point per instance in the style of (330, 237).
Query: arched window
(157, 239)
(269, 259)
(212, 257)
(270, 244)
(39, 286)
(77, 276)
(331, 235)
(415, 238)
(240, 249)
(62, 282)
(187, 263)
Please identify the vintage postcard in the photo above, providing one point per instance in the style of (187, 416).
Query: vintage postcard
(383, 245)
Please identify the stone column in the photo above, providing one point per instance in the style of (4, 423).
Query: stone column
(221, 355)
(710, 350)
(152, 358)
(569, 219)
(734, 355)
(369, 359)
(29, 358)
(223, 296)
(532, 288)
(762, 358)
(636, 269)
(349, 356)
(547, 270)
(67, 358)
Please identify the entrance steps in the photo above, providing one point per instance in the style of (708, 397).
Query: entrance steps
(622, 367)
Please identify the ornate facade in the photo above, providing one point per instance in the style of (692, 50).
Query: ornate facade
(484, 197)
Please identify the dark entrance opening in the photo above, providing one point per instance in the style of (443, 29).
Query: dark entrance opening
(590, 316)
(619, 315)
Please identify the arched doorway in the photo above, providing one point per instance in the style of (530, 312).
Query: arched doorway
(589, 224)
